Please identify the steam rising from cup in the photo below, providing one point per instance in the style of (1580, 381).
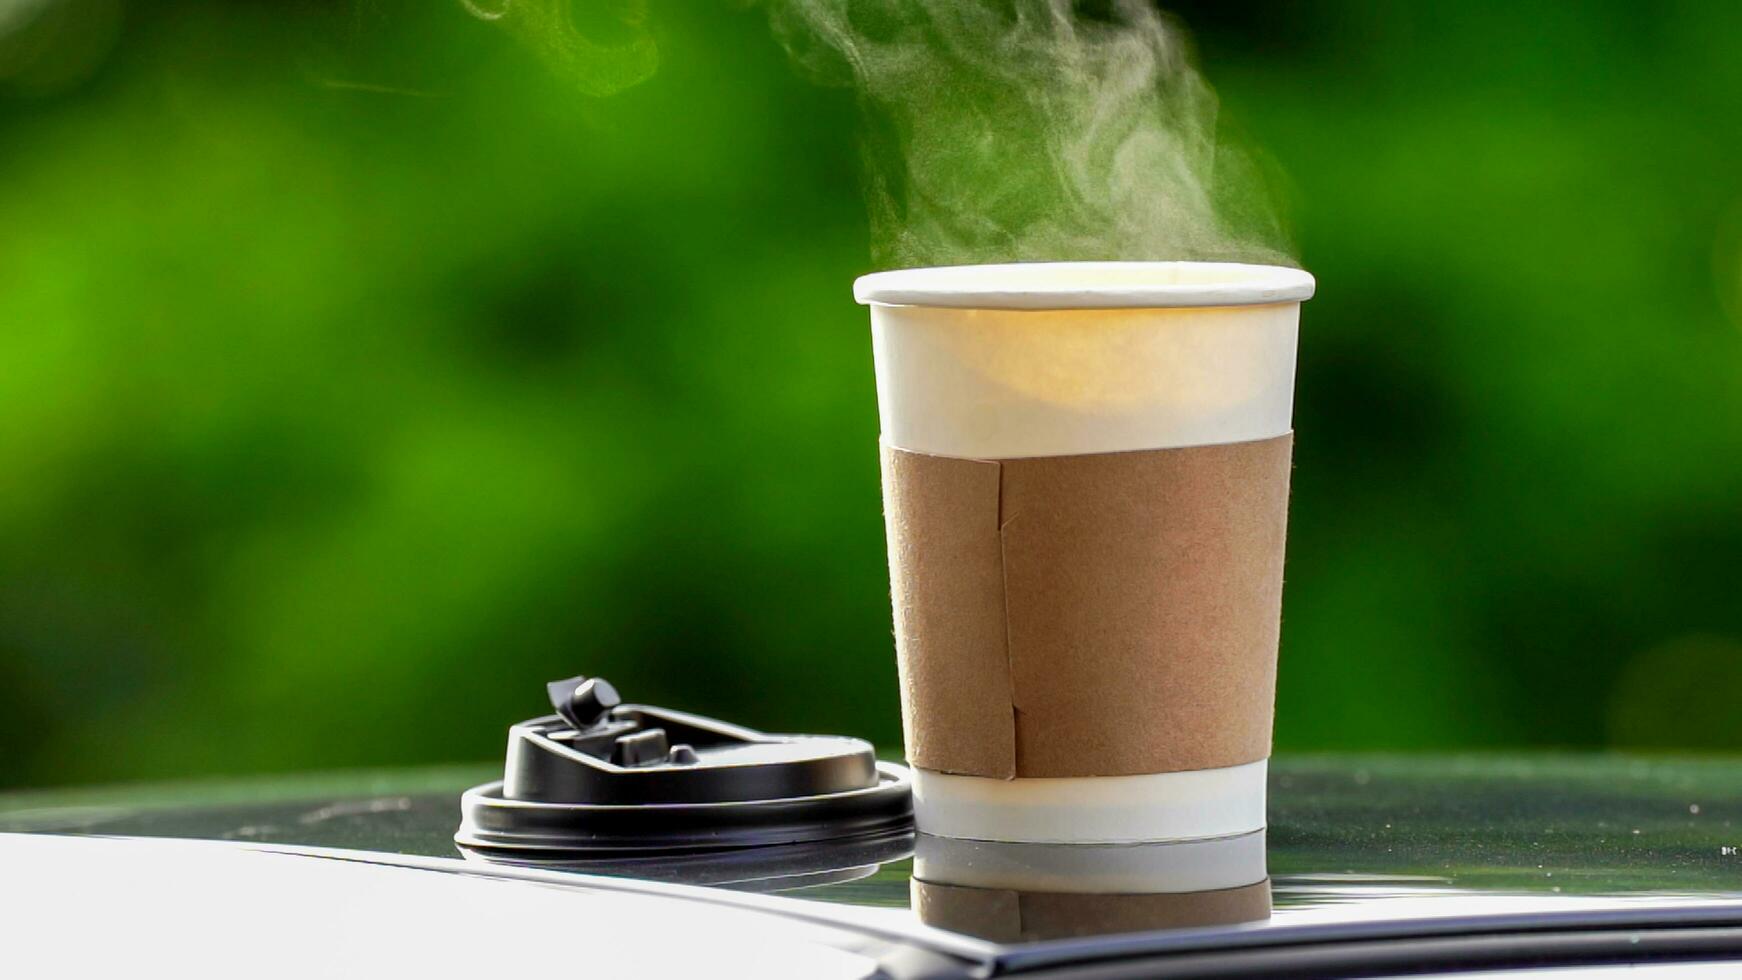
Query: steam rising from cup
(553, 29)
(995, 130)
(1020, 130)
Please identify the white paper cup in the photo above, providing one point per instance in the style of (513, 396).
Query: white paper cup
(1059, 359)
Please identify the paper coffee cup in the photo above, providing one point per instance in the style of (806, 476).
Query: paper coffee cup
(1085, 480)
(1025, 892)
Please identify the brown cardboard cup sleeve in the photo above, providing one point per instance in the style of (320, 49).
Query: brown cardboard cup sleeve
(1092, 615)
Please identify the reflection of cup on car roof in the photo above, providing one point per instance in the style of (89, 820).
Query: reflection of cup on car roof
(1010, 892)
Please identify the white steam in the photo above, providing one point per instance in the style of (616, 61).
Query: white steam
(1013, 130)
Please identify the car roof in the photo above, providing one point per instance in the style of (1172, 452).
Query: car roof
(1358, 846)
(108, 906)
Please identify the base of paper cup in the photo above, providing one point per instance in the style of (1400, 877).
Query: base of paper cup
(1151, 808)
(1172, 867)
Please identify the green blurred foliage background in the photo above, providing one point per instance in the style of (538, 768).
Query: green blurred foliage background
(368, 363)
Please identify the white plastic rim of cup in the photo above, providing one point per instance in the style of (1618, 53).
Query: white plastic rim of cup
(1065, 358)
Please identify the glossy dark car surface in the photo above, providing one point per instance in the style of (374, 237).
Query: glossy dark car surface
(1375, 864)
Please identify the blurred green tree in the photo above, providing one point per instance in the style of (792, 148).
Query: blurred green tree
(366, 367)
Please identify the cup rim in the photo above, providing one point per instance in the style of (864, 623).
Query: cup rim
(1085, 285)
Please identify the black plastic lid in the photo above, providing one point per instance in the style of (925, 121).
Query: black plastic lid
(601, 778)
